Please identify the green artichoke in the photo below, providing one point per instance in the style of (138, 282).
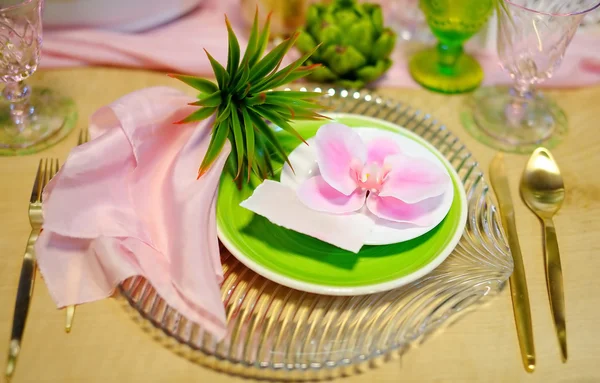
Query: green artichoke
(355, 47)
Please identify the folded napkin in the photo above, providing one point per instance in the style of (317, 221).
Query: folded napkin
(177, 47)
(128, 203)
(280, 204)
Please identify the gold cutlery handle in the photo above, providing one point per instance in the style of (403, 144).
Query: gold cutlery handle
(554, 283)
(520, 297)
(22, 303)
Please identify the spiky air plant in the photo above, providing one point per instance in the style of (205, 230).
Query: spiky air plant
(243, 100)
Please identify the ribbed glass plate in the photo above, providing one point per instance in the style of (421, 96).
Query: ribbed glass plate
(279, 333)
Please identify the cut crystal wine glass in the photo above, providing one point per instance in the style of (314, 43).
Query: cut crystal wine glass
(533, 36)
(30, 118)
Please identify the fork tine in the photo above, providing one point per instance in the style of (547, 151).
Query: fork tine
(50, 169)
(56, 168)
(84, 136)
(37, 185)
(45, 178)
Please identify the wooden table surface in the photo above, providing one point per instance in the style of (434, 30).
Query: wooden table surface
(107, 345)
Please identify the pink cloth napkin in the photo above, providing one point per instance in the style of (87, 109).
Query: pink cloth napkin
(177, 47)
(128, 203)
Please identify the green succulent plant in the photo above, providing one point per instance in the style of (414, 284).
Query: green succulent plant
(244, 98)
(356, 47)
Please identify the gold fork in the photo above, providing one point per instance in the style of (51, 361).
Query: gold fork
(46, 170)
(84, 136)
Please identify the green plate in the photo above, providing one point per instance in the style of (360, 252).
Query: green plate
(305, 263)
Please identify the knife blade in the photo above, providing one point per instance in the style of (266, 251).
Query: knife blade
(517, 281)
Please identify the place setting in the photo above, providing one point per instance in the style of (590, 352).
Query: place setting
(281, 219)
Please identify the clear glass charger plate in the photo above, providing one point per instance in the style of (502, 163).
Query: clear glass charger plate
(275, 332)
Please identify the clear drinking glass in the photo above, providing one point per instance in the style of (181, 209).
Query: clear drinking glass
(407, 20)
(533, 36)
(31, 119)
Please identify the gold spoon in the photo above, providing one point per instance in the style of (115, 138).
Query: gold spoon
(543, 191)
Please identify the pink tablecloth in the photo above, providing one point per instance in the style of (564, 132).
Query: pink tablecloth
(178, 47)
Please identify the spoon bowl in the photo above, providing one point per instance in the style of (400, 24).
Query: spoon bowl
(542, 186)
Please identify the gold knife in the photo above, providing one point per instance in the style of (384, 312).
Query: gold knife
(518, 282)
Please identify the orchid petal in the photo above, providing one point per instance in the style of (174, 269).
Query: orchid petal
(413, 179)
(392, 209)
(380, 148)
(339, 149)
(317, 194)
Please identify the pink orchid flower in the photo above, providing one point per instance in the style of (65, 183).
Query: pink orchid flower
(353, 174)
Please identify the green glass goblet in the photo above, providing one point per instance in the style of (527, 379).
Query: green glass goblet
(446, 68)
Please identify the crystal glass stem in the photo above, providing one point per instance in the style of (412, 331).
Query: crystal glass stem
(449, 54)
(516, 119)
(522, 94)
(17, 94)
